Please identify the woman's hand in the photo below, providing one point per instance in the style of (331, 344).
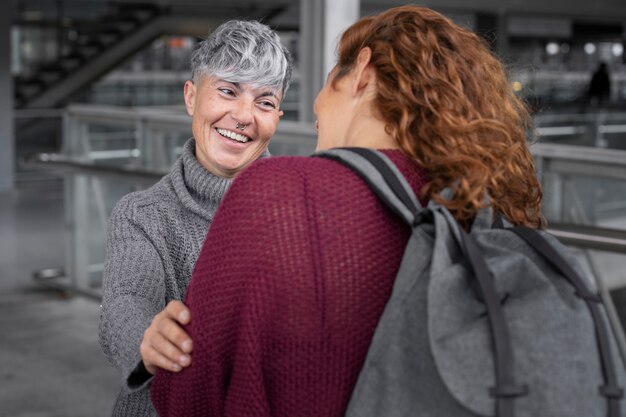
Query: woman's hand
(165, 344)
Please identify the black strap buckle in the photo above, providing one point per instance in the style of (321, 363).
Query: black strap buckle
(611, 391)
(421, 216)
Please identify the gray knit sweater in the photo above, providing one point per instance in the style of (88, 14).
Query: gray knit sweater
(154, 238)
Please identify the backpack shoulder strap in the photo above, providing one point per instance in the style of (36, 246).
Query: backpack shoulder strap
(391, 187)
(383, 177)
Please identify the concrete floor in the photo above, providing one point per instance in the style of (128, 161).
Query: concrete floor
(51, 364)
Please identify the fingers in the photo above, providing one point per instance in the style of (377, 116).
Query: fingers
(170, 331)
(178, 311)
(153, 358)
(165, 343)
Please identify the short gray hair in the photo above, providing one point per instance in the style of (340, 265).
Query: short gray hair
(242, 51)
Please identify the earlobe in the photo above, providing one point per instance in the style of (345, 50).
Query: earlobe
(190, 96)
(280, 114)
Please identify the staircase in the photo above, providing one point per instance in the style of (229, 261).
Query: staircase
(52, 84)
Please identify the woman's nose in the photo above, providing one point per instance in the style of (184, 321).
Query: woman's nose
(243, 111)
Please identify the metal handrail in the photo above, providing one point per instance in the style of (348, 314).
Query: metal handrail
(579, 117)
(579, 160)
(579, 153)
(63, 164)
(590, 237)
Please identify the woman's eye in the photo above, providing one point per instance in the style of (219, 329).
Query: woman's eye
(268, 104)
(227, 91)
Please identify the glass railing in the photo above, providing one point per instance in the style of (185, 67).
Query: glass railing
(585, 186)
(601, 129)
(581, 163)
(108, 152)
(150, 138)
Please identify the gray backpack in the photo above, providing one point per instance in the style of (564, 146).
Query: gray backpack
(497, 321)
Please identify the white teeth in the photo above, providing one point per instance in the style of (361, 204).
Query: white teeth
(232, 135)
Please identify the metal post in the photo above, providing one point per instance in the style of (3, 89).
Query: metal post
(321, 25)
(552, 183)
(599, 139)
(59, 29)
(564, 183)
(502, 37)
(142, 144)
(83, 141)
(7, 132)
(77, 218)
(310, 55)
(160, 149)
(66, 135)
(338, 16)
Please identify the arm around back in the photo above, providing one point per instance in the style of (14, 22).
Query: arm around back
(252, 280)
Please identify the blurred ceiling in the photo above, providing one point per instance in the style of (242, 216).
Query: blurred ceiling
(286, 12)
(594, 10)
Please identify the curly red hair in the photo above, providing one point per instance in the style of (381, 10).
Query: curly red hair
(446, 99)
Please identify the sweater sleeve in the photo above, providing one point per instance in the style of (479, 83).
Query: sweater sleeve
(257, 248)
(133, 290)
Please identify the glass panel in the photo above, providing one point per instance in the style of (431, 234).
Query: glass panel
(89, 202)
(585, 200)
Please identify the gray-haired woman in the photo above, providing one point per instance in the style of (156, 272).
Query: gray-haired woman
(239, 77)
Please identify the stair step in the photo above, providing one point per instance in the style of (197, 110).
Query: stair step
(141, 14)
(88, 39)
(28, 91)
(143, 10)
(69, 62)
(109, 37)
(93, 37)
(18, 96)
(50, 75)
(126, 25)
(31, 81)
(88, 50)
(93, 42)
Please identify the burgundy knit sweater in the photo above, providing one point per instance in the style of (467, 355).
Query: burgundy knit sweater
(289, 286)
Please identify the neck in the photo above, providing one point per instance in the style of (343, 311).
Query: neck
(369, 132)
(367, 128)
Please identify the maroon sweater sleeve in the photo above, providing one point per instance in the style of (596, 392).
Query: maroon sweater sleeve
(287, 291)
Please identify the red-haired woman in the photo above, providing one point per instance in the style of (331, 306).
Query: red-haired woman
(301, 257)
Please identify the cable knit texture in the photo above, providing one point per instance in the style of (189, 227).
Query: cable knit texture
(154, 237)
(287, 292)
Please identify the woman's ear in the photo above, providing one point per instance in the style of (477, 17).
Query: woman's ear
(190, 96)
(364, 73)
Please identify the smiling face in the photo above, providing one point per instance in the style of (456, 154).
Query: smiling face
(232, 123)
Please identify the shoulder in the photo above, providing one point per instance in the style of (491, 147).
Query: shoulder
(283, 174)
(298, 166)
(290, 179)
(281, 188)
(314, 170)
(137, 205)
(291, 169)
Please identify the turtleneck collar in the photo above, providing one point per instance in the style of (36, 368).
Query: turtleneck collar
(199, 190)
